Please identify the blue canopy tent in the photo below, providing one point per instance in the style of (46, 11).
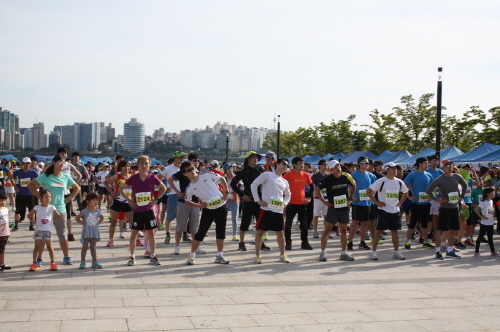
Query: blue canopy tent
(44, 159)
(155, 162)
(313, 160)
(493, 157)
(336, 156)
(396, 156)
(94, 161)
(447, 153)
(477, 154)
(10, 157)
(451, 152)
(384, 156)
(353, 157)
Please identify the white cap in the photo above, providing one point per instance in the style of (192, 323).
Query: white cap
(214, 163)
(41, 164)
(391, 164)
(26, 160)
(332, 163)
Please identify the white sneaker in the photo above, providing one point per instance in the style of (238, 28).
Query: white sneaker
(122, 235)
(373, 256)
(200, 250)
(315, 235)
(398, 255)
(141, 234)
(221, 260)
(190, 260)
(177, 250)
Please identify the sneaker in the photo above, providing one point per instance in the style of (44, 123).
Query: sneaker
(428, 245)
(140, 234)
(139, 243)
(367, 236)
(242, 246)
(421, 240)
(34, 267)
(96, 265)
(439, 255)
(53, 267)
(71, 237)
(330, 236)
(288, 246)
(39, 261)
(461, 245)
(349, 245)
(167, 239)
(154, 261)
(484, 240)
(264, 247)
(67, 261)
(15, 228)
(221, 260)
(265, 236)
(316, 235)
(476, 254)
(190, 260)
(452, 255)
(455, 249)
(322, 257)
(146, 254)
(200, 250)
(83, 265)
(186, 239)
(284, 259)
(236, 238)
(32, 228)
(373, 256)
(407, 245)
(430, 236)
(5, 267)
(258, 259)
(122, 235)
(468, 242)
(346, 257)
(110, 243)
(382, 237)
(131, 261)
(363, 246)
(306, 246)
(398, 255)
(494, 253)
(177, 250)
(161, 227)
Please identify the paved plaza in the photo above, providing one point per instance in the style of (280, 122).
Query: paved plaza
(417, 294)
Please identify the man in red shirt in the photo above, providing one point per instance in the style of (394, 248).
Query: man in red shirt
(297, 179)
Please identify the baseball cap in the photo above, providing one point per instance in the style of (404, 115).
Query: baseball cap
(226, 166)
(105, 165)
(41, 164)
(178, 154)
(447, 162)
(494, 166)
(214, 163)
(270, 154)
(26, 160)
(332, 163)
(251, 153)
(467, 165)
(389, 165)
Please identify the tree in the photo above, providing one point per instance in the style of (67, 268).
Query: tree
(382, 136)
(491, 132)
(463, 132)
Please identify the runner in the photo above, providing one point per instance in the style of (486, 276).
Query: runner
(213, 205)
(232, 200)
(24, 198)
(4, 230)
(320, 209)
(275, 197)
(448, 211)
(435, 172)
(101, 189)
(340, 187)
(270, 165)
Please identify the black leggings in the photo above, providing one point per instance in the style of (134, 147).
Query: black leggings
(484, 229)
(208, 216)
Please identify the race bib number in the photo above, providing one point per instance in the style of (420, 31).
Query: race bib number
(215, 203)
(468, 192)
(143, 198)
(423, 197)
(453, 197)
(436, 192)
(339, 201)
(391, 196)
(128, 192)
(323, 192)
(363, 196)
(276, 203)
(489, 213)
(24, 182)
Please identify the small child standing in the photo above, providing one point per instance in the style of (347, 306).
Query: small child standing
(90, 218)
(485, 211)
(4, 230)
(43, 217)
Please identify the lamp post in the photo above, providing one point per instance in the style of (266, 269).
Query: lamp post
(227, 147)
(438, 114)
(278, 140)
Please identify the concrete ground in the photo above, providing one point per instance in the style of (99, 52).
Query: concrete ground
(417, 294)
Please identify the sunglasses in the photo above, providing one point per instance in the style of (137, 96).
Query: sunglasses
(449, 165)
(190, 169)
(285, 164)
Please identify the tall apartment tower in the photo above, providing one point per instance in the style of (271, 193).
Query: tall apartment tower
(133, 136)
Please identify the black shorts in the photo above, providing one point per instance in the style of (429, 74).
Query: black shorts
(103, 191)
(270, 221)
(143, 220)
(24, 202)
(448, 219)
(164, 199)
(119, 206)
(374, 210)
(340, 216)
(419, 213)
(474, 218)
(388, 221)
(86, 189)
(363, 213)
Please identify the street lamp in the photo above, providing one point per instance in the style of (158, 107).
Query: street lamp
(438, 114)
(227, 147)
(278, 140)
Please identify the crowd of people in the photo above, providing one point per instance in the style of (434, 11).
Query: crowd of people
(442, 205)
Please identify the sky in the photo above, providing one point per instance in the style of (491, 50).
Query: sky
(188, 64)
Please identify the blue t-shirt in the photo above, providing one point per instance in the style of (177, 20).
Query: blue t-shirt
(363, 181)
(22, 180)
(435, 174)
(468, 191)
(419, 181)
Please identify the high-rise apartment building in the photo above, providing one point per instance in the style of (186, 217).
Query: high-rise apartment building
(133, 136)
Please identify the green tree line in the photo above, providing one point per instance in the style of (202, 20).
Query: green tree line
(412, 125)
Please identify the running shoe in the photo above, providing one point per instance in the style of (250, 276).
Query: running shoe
(15, 228)
(452, 255)
(460, 245)
(494, 253)
(373, 256)
(147, 254)
(476, 254)
(200, 250)
(34, 267)
(71, 237)
(122, 235)
(242, 246)
(131, 261)
(468, 242)
(346, 257)
(53, 267)
(39, 261)
(455, 249)
(322, 257)
(428, 245)
(110, 243)
(140, 234)
(67, 261)
(177, 250)
(264, 247)
(362, 246)
(221, 260)
(407, 245)
(190, 260)
(139, 243)
(96, 265)
(5, 267)
(258, 259)
(284, 259)
(316, 235)
(398, 255)
(154, 261)
(167, 239)
(31, 228)
(265, 236)
(83, 265)
(187, 239)
(236, 238)
(306, 246)
(350, 245)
